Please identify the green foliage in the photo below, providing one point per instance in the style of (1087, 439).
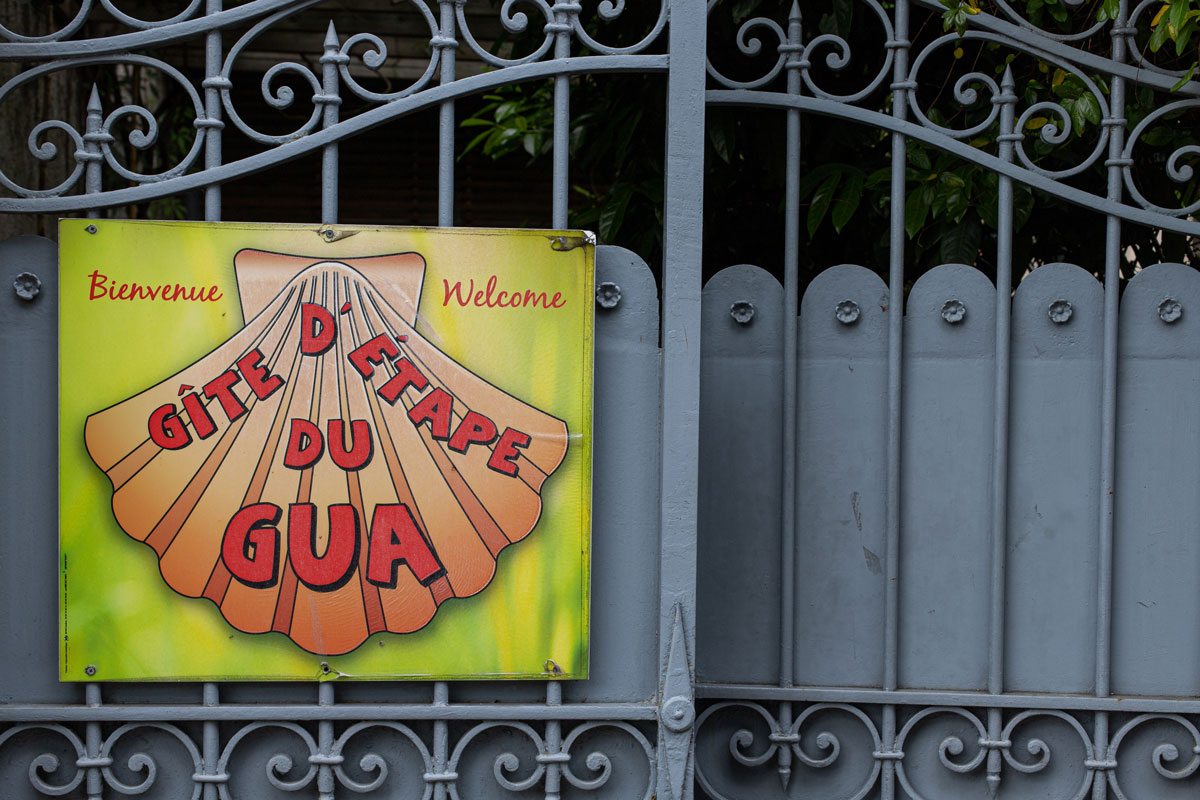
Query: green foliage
(951, 207)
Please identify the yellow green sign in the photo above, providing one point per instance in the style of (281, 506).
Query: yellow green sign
(295, 452)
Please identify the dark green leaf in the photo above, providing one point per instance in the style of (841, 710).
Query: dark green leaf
(847, 200)
(821, 201)
(959, 244)
(916, 210)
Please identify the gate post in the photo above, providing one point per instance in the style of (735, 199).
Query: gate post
(682, 277)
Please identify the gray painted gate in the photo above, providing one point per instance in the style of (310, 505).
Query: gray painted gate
(825, 563)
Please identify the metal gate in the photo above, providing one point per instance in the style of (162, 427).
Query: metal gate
(883, 541)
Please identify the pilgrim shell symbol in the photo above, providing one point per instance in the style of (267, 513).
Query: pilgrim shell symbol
(326, 472)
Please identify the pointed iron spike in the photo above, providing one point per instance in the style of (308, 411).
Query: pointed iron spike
(993, 782)
(785, 777)
(794, 15)
(1007, 82)
(331, 37)
(93, 103)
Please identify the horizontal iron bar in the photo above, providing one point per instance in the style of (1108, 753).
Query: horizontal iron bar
(300, 712)
(964, 151)
(150, 38)
(343, 130)
(921, 697)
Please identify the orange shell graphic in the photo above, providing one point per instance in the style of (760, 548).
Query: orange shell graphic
(465, 495)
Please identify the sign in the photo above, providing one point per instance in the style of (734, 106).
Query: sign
(290, 452)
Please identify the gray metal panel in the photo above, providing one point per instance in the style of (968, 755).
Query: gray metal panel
(1050, 631)
(624, 487)
(946, 477)
(741, 415)
(842, 487)
(1156, 550)
(29, 476)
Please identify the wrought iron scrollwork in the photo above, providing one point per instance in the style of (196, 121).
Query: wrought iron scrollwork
(786, 740)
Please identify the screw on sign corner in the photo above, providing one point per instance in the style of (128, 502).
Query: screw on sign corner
(27, 286)
(90, 670)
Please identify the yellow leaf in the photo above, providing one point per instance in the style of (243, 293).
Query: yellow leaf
(1059, 77)
(1158, 16)
(958, 52)
(1036, 122)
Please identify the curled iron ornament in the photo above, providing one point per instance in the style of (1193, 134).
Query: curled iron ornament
(277, 765)
(788, 742)
(1041, 751)
(505, 763)
(600, 762)
(515, 22)
(48, 763)
(950, 747)
(373, 762)
(609, 10)
(1162, 753)
(1176, 171)
(1015, 17)
(98, 144)
(84, 11)
(144, 762)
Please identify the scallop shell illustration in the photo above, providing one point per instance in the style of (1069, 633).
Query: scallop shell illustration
(326, 472)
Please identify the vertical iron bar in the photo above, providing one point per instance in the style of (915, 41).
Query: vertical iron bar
(91, 155)
(93, 742)
(791, 291)
(441, 740)
(1108, 414)
(211, 124)
(683, 227)
(900, 86)
(330, 102)
(324, 759)
(446, 47)
(563, 9)
(92, 184)
(999, 512)
(553, 757)
(211, 750)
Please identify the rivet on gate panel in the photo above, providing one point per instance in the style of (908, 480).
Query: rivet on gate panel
(608, 295)
(953, 311)
(1170, 310)
(847, 312)
(742, 312)
(27, 285)
(1060, 312)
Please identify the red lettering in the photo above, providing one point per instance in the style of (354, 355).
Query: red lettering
(396, 540)
(474, 429)
(434, 407)
(259, 379)
(458, 292)
(305, 445)
(120, 295)
(317, 329)
(220, 388)
(505, 454)
(97, 285)
(406, 375)
(167, 429)
(214, 294)
(361, 449)
(329, 572)
(250, 548)
(372, 352)
(557, 302)
(201, 420)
